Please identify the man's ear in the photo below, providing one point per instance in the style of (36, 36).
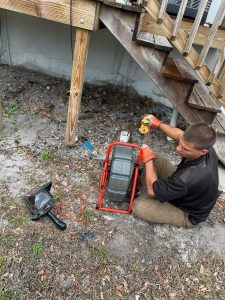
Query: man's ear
(204, 151)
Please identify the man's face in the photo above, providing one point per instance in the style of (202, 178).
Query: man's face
(187, 150)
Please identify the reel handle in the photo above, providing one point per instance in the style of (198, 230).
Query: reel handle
(59, 224)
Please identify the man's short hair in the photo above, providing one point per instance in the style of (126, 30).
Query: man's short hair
(201, 135)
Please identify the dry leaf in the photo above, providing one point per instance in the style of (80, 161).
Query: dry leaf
(173, 295)
(120, 290)
(201, 269)
(101, 295)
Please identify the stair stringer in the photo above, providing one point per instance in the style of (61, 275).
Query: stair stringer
(121, 24)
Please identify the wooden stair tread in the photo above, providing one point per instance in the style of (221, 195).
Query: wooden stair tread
(202, 100)
(176, 69)
(186, 71)
(153, 40)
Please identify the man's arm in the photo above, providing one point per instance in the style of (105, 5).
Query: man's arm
(150, 178)
(173, 132)
(150, 175)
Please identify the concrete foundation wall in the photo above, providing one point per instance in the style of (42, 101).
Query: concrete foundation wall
(45, 46)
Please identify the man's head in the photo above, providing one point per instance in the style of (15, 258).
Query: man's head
(196, 140)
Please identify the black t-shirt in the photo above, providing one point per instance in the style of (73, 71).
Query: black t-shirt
(193, 187)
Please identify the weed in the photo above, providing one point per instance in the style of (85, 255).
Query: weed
(48, 154)
(2, 136)
(136, 267)
(88, 216)
(20, 152)
(15, 126)
(3, 262)
(62, 173)
(57, 197)
(11, 109)
(100, 254)
(37, 248)
(7, 294)
(19, 220)
(7, 240)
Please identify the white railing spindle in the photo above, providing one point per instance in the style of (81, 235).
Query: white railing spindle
(179, 19)
(195, 27)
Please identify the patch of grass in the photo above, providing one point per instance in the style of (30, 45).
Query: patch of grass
(37, 248)
(7, 240)
(100, 254)
(62, 173)
(47, 154)
(7, 294)
(20, 152)
(11, 109)
(15, 125)
(88, 216)
(3, 262)
(2, 136)
(19, 219)
(136, 267)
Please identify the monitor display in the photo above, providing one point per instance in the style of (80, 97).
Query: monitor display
(41, 199)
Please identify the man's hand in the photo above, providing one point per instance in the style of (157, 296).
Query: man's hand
(153, 121)
(147, 154)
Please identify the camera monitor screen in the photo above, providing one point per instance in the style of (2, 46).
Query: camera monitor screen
(42, 198)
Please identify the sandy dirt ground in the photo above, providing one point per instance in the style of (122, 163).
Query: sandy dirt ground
(127, 258)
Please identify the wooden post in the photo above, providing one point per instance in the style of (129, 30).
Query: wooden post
(77, 78)
(1, 115)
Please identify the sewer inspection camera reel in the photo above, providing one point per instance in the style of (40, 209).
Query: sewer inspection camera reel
(119, 176)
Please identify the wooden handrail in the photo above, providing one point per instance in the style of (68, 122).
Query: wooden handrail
(195, 27)
(178, 19)
(218, 19)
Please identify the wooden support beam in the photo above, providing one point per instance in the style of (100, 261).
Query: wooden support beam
(77, 78)
(195, 27)
(179, 19)
(153, 7)
(218, 19)
(84, 11)
(162, 11)
(150, 25)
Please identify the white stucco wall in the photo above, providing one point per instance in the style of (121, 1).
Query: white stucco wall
(43, 45)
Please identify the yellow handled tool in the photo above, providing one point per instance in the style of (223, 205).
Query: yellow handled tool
(145, 128)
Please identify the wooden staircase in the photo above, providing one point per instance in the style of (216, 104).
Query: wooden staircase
(177, 81)
(184, 45)
(174, 77)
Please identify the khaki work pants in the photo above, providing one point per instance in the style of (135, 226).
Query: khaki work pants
(152, 209)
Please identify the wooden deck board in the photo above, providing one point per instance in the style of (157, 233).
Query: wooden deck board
(83, 13)
(150, 25)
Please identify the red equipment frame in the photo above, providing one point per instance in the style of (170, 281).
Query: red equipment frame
(105, 174)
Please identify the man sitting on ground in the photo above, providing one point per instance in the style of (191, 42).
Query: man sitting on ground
(182, 196)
